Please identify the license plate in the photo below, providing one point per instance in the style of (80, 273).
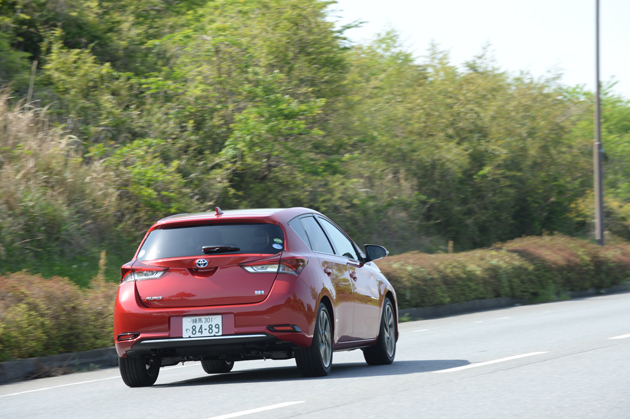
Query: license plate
(195, 327)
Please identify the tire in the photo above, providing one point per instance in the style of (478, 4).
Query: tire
(213, 366)
(316, 361)
(384, 351)
(139, 371)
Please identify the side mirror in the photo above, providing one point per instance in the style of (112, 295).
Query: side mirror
(375, 252)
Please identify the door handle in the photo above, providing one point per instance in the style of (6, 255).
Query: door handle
(328, 271)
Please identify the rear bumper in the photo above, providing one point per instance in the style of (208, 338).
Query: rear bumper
(209, 341)
(235, 347)
(244, 326)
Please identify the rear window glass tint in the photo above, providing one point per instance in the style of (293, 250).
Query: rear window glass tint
(296, 225)
(318, 239)
(188, 241)
(342, 244)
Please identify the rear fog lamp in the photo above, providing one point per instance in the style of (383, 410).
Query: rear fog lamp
(284, 328)
(127, 336)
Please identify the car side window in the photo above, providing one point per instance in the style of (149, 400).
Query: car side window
(342, 244)
(296, 225)
(319, 241)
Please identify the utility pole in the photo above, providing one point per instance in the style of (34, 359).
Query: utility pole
(597, 147)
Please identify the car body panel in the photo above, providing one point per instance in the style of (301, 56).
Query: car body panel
(367, 300)
(222, 282)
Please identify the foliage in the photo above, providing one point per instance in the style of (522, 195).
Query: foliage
(476, 155)
(139, 109)
(531, 268)
(615, 135)
(48, 316)
(57, 211)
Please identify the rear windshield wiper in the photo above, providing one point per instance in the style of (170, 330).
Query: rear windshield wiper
(219, 249)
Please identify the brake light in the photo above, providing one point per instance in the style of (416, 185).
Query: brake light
(296, 265)
(141, 274)
(289, 265)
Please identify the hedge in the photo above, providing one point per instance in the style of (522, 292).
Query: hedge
(41, 316)
(535, 269)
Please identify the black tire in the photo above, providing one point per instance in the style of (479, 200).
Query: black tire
(139, 371)
(316, 361)
(384, 351)
(214, 366)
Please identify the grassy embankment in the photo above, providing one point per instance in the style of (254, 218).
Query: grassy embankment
(47, 316)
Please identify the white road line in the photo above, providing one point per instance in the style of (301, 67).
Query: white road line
(87, 382)
(63, 385)
(416, 331)
(503, 318)
(260, 409)
(481, 364)
(621, 337)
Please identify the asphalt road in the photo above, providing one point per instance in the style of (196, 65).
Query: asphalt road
(567, 359)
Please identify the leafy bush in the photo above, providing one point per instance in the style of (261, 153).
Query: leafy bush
(531, 268)
(49, 316)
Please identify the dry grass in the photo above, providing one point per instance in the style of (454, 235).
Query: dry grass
(54, 204)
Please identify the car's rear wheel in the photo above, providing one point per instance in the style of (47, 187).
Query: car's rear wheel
(213, 366)
(385, 349)
(316, 361)
(139, 371)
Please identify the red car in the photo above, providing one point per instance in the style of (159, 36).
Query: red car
(251, 284)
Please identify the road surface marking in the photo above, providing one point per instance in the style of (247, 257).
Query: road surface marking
(91, 381)
(481, 364)
(260, 409)
(62, 385)
(503, 318)
(416, 331)
(621, 337)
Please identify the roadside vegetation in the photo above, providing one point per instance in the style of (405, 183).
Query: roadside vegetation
(532, 269)
(116, 114)
(48, 316)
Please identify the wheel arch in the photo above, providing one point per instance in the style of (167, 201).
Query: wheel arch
(328, 303)
(390, 295)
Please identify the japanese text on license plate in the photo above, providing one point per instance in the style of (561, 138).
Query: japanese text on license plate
(194, 327)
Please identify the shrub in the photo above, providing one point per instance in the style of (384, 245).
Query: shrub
(49, 316)
(530, 268)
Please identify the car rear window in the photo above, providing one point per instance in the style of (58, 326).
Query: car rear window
(189, 241)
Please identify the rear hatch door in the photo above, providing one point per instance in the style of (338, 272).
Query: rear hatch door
(195, 278)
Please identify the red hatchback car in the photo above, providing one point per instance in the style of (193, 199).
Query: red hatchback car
(251, 284)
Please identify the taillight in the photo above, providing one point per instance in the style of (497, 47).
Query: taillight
(142, 274)
(289, 265)
(296, 265)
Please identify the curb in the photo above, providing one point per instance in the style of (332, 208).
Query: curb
(54, 365)
(433, 312)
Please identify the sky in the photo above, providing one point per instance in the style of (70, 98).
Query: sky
(539, 37)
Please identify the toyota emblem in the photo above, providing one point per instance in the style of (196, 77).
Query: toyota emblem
(201, 263)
